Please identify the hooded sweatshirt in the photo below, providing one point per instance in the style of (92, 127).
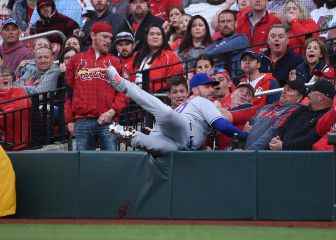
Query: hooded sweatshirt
(57, 21)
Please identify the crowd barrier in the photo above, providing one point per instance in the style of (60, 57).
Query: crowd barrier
(181, 185)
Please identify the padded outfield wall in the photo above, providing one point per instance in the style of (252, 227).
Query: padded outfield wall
(182, 185)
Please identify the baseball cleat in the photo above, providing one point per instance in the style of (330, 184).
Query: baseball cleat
(121, 132)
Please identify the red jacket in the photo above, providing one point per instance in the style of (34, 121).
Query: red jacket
(322, 128)
(15, 118)
(170, 65)
(300, 27)
(160, 8)
(259, 34)
(266, 83)
(92, 94)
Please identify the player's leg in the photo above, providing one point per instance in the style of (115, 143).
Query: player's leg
(156, 144)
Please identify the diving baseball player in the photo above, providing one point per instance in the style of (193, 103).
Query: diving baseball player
(183, 128)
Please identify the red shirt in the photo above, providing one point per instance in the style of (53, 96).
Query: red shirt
(92, 94)
(300, 27)
(160, 8)
(15, 118)
(259, 33)
(166, 65)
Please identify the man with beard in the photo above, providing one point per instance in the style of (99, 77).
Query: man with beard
(124, 47)
(228, 42)
(93, 104)
(140, 18)
(102, 13)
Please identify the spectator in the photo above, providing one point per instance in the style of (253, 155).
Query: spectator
(178, 91)
(69, 8)
(298, 133)
(172, 25)
(65, 58)
(160, 8)
(124, 45)
(40, 76)
(72, 41)
(196, 39)
(207, 9)
(204, 64)
(255, 23)
(276, 6)
(155, 53)
(229, 44)
(22, 12)
(51, 19)
(41, 43)
(325, 15)
(224, 89)
(13, 51)
(240, 5)
(315, 60)
(296, 16)
(15, 114)
(140, 18)
(102, 13)
(250, 64)
(280, 59)
(181, 31)
(265, 125)
(94, 103)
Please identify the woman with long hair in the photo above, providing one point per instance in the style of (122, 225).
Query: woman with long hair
(196, 39)
(316, 60)
(156, 54)
(172, 26)
(299, 22)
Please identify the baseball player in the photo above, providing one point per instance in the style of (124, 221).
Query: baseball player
(183, 128)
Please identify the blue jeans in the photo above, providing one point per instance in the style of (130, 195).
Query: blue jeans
(88, 131)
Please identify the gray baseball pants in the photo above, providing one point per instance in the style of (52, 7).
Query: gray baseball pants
(174, 128)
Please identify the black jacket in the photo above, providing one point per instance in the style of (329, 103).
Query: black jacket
(146, 22)
(298, 133)
(115, 20)
(282, 67)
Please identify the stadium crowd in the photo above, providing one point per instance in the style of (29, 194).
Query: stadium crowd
(248, 47)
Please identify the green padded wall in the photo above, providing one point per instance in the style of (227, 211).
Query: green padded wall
(295, 185)
(117, 185)
(46, 183)
(214, 185)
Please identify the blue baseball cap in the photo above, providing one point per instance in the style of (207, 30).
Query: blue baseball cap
(252, 54)
(200, 79)
(9, 21)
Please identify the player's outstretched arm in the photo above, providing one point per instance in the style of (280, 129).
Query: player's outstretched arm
(227, 128)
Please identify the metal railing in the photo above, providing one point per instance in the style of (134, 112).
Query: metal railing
(44, 34)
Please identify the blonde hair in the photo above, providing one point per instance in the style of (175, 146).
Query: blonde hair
(304, 14)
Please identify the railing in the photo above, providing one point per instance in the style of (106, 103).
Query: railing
(32, 127)
(44, 34)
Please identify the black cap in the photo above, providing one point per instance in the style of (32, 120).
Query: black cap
(324, 86)
(298, 85)
(250, 53)
(124, 36)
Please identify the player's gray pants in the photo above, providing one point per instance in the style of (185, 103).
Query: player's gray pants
(174, 128)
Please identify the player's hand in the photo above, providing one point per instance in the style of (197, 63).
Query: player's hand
(106, 117)
(71, 128)
(275, 144)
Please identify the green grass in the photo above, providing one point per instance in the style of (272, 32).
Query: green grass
(159, 232)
